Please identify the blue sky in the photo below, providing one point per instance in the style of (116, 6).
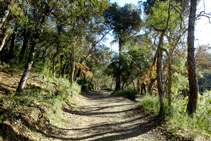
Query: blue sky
(123, 2)
(202, 30)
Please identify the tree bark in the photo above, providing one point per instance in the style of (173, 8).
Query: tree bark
(3, 39)
(160, 74)
(61, 64)
(150, 85)
(59, 28)
(25, 44)
(159, 65)
(6, 15)
(118, 76)
(193, 88)
(138, 85)
(134, 86)
(72, 64)
(54, 58)
(12, 44)
(28, 66)
(63, 69)
(169, 81)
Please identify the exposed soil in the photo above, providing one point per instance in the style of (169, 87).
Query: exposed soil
(104, 117)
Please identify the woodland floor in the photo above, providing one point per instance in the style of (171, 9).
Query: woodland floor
(95, 116)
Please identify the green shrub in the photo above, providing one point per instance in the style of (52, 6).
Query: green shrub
(199, 122)
(151, 105)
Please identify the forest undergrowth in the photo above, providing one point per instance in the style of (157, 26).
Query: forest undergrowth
(32, 109)
(176, 117)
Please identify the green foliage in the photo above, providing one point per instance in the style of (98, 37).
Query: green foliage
(130, 94)
(83, 82)
(158, 16)
(199, 122)
(150, 105)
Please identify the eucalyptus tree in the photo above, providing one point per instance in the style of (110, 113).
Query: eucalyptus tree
(193, 86)
(125, 22)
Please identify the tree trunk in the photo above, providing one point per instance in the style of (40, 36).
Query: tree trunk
(59, 27)
(12, 44)
(118, 76)
(25, 45)
(6, 15)
(28, 66)
(134, 86)
(150, 85)
(72, 64)
(3, 39)
(138, 85)
(61, 64)
(63, 69)
(54, 58)
(160, 74)
(159, 65)
(193, 88)
(169, 81)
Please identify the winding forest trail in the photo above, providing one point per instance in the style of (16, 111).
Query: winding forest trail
(104, 117)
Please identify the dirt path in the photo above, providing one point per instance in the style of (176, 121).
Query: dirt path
(102, 117)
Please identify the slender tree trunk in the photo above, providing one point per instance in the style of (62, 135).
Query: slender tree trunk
(160, 74)
(6, 15)
(3, 39)
(63, 69)
(72, 64)
(150, 85)
(61, 64)
(25, 45)
(28, 66)
(138, 85)
(118, 77)
(169, 81)
(54, 59)
(193, 88)
(134, 86)
(12, 44)
(59, 27)
(159, 65)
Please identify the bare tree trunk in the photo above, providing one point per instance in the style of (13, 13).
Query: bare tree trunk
(59, 27)
(159, 65)
(118, 76)
(63, 69)
(134, 86)
(160, 74)
(138, 86)
(3, 39)
(150, 85)
(54, 58)
(25, 44)
(6, 15)
(72, 64)
(12, 44)
(169, 81)
(28, 66)
(193, 88)
(61, 64)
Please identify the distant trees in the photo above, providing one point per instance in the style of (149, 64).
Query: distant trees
(125, 22)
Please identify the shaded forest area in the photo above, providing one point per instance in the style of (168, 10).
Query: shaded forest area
(50, 50)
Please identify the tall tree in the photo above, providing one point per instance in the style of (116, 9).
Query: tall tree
(125, 22)
(193, 87)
